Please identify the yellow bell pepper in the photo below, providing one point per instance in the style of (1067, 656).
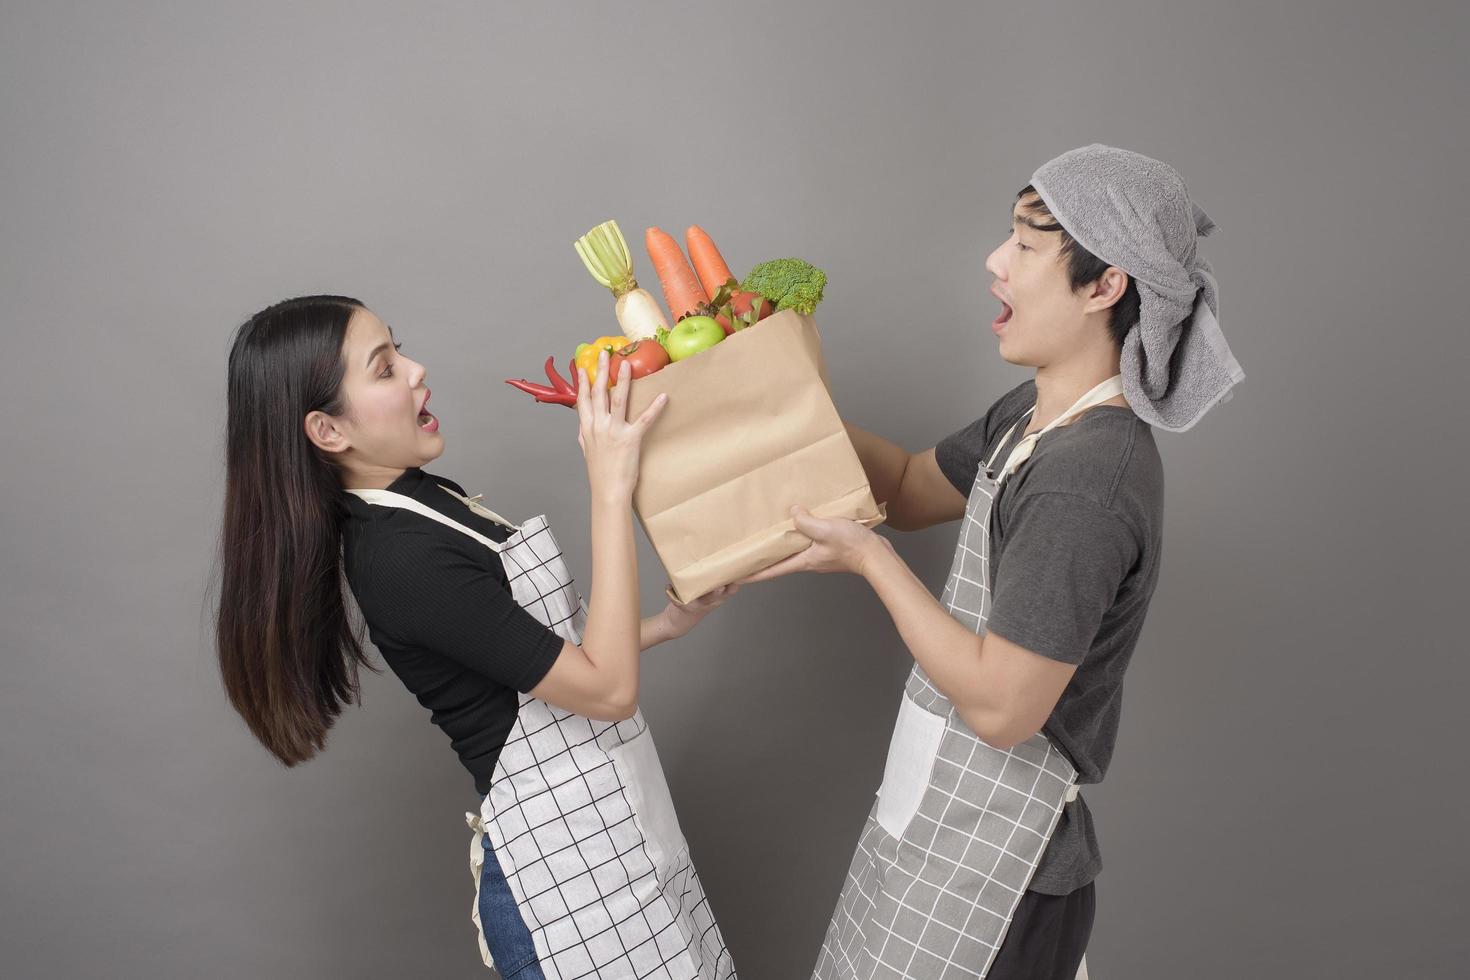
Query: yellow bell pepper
(587, 355)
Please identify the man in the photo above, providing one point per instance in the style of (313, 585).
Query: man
(978, 858)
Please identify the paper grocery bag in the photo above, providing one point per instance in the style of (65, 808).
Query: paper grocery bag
(749, 430)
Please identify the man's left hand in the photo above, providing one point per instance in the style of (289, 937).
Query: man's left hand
(838, 545)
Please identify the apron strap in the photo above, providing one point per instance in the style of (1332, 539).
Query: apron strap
(386, 498)
(990, 463)
(1111, 388)
(473, 503)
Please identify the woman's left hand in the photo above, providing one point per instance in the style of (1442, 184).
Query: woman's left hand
(838, 545)
(683, 617)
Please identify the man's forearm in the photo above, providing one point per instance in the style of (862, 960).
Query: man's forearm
(884, 462)
(949, 653)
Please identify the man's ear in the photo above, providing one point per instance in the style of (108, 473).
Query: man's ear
(1107, 290)
(325, 433)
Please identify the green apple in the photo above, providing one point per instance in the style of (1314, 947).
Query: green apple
(692, 335)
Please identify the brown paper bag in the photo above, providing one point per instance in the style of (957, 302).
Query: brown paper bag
(749, 430)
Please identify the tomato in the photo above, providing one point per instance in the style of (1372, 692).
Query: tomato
(692, 335)
(742, 302)
(644, 356)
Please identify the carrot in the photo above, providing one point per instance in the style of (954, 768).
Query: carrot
(714, 273)
(681, 288)
(707, 260)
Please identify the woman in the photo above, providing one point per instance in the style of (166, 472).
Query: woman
(580, 867)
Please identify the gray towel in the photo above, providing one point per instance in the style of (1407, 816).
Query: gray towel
(1134, 212)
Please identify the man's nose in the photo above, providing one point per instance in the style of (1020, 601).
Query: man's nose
(995, 262)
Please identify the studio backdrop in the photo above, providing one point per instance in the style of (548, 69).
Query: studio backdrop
(167, 169)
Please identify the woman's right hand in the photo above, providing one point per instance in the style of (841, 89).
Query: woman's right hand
(610, 443)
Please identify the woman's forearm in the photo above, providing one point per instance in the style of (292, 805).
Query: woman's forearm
(654, 630)
(613, 638)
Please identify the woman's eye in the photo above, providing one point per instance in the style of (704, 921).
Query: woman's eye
(388, 371)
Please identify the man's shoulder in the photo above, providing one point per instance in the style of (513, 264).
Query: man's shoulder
(976, 435)
(1008, 407)
(959, 453)
(1109, 457)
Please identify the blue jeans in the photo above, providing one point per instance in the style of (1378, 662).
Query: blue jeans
(505, 931)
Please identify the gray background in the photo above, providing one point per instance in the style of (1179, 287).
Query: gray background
(1286, 797)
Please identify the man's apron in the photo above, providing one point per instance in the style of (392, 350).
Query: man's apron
(578, 812)
(959, 827)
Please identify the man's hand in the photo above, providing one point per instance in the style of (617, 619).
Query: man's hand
(838, 545)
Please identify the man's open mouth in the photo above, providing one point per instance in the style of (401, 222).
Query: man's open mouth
(1005, 316)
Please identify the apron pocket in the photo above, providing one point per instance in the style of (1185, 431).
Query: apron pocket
(638, 769)
(911, 755)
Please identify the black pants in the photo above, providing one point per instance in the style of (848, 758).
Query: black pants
(1047, 937)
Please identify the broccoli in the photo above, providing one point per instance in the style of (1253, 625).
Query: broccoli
(791, 284)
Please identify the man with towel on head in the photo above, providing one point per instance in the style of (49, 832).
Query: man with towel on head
(979, 856)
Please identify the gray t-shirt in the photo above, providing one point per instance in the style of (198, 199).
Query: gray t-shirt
(1076, 536)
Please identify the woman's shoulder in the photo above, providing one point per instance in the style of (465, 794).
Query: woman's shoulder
(433, 479)
(386, 539)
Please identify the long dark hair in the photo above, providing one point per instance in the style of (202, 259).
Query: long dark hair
(288, 650)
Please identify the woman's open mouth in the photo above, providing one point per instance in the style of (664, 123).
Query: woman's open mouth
(427, 421)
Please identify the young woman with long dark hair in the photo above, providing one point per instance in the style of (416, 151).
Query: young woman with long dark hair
(579, 863)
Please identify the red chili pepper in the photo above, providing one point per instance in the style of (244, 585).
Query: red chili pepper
(572, 364)
(557, 381)
(542, 393)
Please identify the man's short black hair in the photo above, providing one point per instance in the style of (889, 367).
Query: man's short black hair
(1084, 268)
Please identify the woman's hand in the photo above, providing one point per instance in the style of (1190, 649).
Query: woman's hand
(837, 546)
(680, 618)
(610, 443)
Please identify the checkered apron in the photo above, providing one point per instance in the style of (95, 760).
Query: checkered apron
(959, 827)
(578, 812)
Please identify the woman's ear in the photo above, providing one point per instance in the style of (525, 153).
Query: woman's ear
(325, 433)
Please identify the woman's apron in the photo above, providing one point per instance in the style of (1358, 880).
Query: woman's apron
(578, 812)
(959, 826)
